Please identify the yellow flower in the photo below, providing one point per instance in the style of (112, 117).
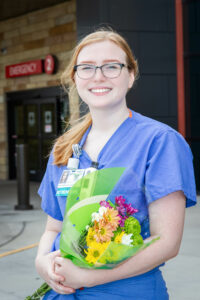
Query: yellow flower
(94, 251)
(112, 218)
(118, 237)
(103, 232)
(90, 236)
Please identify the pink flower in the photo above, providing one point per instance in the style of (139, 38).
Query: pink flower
(130, 210)
(119, 200)
(105, 204)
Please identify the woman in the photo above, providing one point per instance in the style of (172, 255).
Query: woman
(158, 180)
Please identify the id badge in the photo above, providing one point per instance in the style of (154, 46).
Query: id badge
(69, 178)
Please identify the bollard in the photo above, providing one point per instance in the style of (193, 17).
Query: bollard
(22, 178)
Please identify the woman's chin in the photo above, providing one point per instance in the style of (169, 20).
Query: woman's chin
(101, 106)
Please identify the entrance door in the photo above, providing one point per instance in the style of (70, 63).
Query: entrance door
(37, 123)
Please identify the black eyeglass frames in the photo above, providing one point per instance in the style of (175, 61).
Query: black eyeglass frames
(110, 70)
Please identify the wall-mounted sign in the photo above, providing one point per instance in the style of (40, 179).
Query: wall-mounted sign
(26, 68)
(31, 67)
(31, 118)
(49, 64)
(48, 117)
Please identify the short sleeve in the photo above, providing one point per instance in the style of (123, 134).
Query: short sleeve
(170, 168)
(47, 192)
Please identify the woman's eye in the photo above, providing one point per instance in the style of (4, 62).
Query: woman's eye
(112, 67)
(86, 68)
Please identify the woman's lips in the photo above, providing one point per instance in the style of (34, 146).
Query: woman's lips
(100, 91)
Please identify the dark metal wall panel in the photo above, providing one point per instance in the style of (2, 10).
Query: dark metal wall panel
(157, 53)
(88, 13)
(141, 15)
(148, 90)
(149, 27)
(191, 11)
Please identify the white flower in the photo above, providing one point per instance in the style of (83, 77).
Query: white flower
(95, 217)
(102, 210)
(87, 227)
(126, 239)
(98, 216)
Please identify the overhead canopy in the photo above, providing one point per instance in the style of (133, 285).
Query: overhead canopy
(11, 9)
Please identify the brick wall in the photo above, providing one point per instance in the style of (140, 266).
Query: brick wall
(28, 37)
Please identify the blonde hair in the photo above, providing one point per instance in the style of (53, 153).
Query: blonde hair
(63, 146)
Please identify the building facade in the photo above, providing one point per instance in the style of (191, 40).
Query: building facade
(36, 105)
(32, 107)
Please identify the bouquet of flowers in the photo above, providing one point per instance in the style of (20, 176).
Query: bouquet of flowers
(99, 232)
(112, 227)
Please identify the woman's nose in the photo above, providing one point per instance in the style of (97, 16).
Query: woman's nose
(99, 75)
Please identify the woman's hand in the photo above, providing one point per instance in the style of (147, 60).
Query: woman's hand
(75, 277)
(45, 265)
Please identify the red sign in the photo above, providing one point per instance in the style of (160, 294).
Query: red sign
(31, 67)
(23, 69)
(49, 64)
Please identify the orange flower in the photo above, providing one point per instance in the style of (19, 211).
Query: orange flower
(103, 232)
(112, 218)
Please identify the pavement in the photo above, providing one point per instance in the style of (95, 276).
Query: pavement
(20, 229)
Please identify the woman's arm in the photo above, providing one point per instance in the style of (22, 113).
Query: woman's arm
(166, 221)
(45, 260)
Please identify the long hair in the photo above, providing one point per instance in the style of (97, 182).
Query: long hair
(63, 145)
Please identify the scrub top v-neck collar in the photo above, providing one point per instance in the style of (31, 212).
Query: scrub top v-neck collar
(113, 141)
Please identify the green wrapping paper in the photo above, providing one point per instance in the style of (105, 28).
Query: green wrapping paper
(83, 200)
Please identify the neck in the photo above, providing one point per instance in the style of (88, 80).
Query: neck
(108, 119)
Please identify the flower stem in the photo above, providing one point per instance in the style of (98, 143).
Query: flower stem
(41, 291)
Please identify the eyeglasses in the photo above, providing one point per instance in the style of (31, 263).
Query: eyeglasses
(111, 70)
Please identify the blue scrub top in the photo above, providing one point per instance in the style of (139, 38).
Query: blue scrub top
(157, 159)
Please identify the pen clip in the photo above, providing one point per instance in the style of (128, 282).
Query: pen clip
(77, 150)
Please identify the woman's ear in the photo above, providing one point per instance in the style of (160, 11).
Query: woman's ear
(131, 79)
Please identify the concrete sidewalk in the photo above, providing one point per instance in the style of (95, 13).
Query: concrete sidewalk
(19, 229)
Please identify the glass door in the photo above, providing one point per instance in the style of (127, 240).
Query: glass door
(35, 118)
(31, 137)
(40, 132)
(48, 130)
(37, 123)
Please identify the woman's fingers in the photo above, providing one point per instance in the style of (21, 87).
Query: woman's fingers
(53, 275)
(55, 253)
(61, 289)
(56, 278)
(59, 260)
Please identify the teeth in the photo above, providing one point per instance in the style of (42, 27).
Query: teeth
(100, 90)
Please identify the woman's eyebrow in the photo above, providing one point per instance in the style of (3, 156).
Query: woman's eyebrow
(111, 60)
(93, 62)
(87, 62)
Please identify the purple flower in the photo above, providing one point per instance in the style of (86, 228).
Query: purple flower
(129, 209)
(105, 203)
(119, 200)
(122, 220)
(121, 209)
(121, 223)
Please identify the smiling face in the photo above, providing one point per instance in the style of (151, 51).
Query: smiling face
(100, 91)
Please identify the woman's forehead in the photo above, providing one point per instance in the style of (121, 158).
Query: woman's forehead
(104, 51)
